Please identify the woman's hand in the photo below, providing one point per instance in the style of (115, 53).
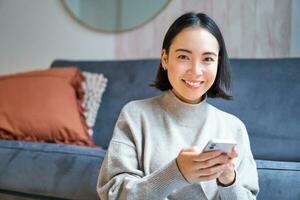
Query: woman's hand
(228, 175)
(196, 166)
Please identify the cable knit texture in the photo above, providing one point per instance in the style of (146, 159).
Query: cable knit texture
(141, 159)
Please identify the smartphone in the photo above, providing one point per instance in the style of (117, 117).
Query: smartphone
(223, 145)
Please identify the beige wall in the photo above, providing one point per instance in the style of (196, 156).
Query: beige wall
(252, 28)
(33, 33)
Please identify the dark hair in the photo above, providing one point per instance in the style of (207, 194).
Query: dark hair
(222, 81)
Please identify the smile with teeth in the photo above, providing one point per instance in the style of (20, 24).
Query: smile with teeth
(193, 83)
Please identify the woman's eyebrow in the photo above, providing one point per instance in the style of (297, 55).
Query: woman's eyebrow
(185, 50)
(209, 53)
(189, 51)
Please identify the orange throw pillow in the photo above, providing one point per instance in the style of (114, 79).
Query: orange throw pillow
(44, 106)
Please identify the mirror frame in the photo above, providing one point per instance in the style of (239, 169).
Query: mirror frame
(84, 24)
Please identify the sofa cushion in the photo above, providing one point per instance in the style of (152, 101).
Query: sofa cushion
(49, 170)
(278, 180)
(43, 106)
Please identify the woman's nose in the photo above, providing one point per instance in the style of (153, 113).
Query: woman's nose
(197, 68)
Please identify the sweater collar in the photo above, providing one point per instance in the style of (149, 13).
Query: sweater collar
(191, 115)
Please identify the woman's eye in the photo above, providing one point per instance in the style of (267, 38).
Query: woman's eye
(208, 59)
(183, 57)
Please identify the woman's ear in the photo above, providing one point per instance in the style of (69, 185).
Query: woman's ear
(164, 59)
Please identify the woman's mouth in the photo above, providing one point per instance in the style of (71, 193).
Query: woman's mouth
(193, 84)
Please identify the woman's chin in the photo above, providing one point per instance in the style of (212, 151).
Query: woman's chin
(187, 97)
(193, 99)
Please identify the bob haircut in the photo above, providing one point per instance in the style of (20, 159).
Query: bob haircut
(222, 82)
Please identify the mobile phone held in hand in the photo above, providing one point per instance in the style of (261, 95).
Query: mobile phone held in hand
(223, 145)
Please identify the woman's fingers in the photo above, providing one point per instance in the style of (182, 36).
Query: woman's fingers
(206, 156)
(212, 161)
(233, 153)
(228, 174)
(212, 170)
(209, 177)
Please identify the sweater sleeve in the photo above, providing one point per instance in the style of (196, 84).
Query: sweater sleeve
(246, 185)
(122, 177)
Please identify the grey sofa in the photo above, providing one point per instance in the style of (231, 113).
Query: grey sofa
(266, 97)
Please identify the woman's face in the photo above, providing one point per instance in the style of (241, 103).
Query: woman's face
(192, 63)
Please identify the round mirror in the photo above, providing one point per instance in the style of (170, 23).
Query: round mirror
(114, 15)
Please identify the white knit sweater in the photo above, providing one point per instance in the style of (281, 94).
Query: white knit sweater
(141, 159)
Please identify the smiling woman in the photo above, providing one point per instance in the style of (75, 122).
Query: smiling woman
(156, 151)
(114, 15)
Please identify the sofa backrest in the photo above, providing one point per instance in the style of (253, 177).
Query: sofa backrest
(266, 98)
(127, 80)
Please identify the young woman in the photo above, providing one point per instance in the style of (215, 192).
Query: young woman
(156, 149)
